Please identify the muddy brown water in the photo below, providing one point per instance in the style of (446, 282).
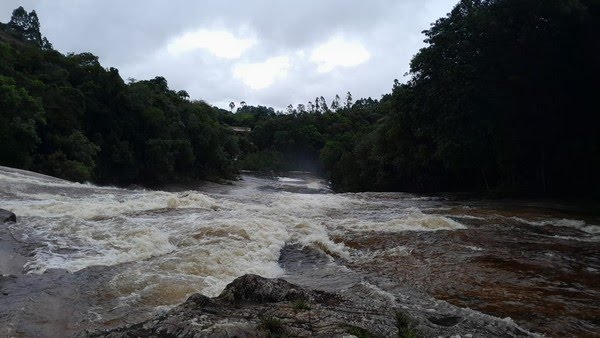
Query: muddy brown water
(546, 283)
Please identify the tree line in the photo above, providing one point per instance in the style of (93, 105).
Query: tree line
(502, 98)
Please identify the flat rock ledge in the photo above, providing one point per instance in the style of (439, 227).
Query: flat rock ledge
(253, 306)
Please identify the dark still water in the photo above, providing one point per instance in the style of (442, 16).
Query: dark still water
(132, 253)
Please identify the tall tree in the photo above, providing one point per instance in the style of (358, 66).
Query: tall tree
(324, 108)
(348, 100)
(29, 26)
(335, 104)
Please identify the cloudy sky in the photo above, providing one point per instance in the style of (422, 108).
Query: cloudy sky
(271, 53)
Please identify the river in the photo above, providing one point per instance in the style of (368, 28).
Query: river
(130, 253)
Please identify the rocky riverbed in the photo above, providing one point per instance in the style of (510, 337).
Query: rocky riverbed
(87, 260)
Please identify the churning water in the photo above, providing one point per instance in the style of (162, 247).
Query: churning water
(538, 263)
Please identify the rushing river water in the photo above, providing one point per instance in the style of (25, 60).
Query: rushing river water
(138, 251)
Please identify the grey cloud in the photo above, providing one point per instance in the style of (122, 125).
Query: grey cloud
(130, 35)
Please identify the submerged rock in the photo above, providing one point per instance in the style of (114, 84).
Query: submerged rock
(7, 216)
(253, 306)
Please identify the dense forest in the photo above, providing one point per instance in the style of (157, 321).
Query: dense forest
(67, 116)
(503, 98)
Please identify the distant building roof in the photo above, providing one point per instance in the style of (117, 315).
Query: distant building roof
(241, 129)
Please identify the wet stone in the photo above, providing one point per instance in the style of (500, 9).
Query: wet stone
(445, 321)
(7, 216)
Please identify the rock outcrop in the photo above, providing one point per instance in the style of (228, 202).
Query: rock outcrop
(7, 216)
(252, 306)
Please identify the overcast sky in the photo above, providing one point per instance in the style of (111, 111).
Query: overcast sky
(271, 53)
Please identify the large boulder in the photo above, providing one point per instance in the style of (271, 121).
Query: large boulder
(7, 216)
(256, 289)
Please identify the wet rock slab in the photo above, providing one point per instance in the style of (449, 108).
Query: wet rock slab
(253, 306)
(53, 304)
(13, 255)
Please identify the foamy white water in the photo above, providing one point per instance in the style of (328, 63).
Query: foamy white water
(288, 179)
(563, 222)
(203, 239)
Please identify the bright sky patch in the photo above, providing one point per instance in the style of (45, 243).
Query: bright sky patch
(338, 52)
(261, 75)
(222, 44)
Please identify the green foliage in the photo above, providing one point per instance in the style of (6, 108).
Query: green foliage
(21, 115)
(265, 160)
(301, 304)
(405, 326)
(59, 165)
(407, 333)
